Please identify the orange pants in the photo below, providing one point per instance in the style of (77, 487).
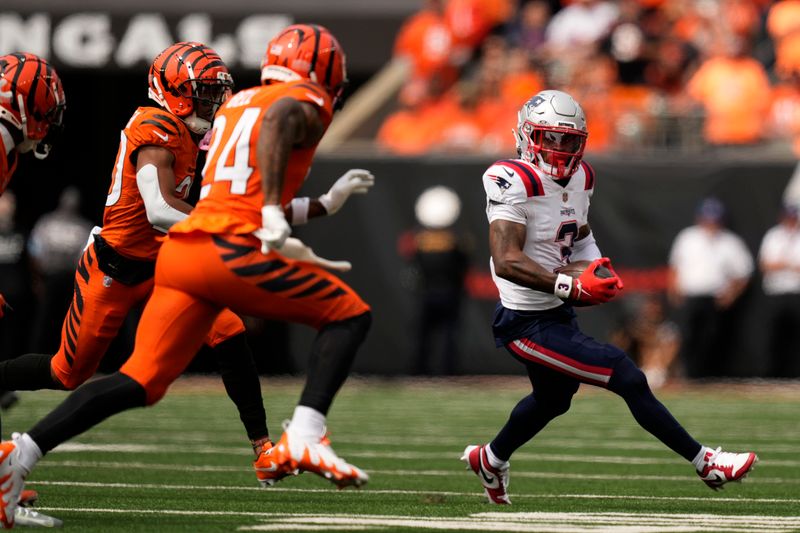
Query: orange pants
(198, 275)
(99, 307)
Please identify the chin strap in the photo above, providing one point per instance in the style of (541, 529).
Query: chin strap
(196, 124)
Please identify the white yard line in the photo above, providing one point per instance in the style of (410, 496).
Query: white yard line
(527, 474)
(279, 488)
(490, 521)
(78, 447)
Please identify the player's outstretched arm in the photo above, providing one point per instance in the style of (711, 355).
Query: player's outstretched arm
(354, 181)
(287, 124)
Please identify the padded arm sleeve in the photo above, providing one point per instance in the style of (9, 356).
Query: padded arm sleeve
(585, 249)
(159, 213)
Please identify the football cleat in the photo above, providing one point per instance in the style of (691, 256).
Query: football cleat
(268, 469)
(495, 481)
(722, 467)
(11, 482)
(298, 453)
(26, 516)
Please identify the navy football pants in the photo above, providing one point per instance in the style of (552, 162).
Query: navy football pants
(558, 358)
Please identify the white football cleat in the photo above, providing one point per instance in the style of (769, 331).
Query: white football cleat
(294, 452)
(722, 467)
(26, 516)
(495, 481)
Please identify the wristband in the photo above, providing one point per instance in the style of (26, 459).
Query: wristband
(563, 286)
(300, 210)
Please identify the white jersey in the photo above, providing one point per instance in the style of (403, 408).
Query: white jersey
(518, 192)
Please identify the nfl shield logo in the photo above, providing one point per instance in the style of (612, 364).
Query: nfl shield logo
(565, 197)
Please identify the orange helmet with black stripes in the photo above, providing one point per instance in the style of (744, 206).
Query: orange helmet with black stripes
(306, 51)
(32, 101)
(190, 80)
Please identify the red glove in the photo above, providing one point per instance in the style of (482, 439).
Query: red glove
(590, 289)
(3, 306)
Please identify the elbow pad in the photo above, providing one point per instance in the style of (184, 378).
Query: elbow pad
(585, 249)
(159, 213)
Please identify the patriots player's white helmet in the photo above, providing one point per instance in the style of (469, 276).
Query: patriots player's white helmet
(551, 133)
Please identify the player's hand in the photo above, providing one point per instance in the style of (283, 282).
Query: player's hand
(274, 228)
(354, 181)
(296, 249)
(590, 289)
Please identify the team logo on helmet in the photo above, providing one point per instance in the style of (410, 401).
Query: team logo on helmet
(307, 51)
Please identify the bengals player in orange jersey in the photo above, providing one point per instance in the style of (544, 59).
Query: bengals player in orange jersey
(151, 178)
(32, 104)
(261, 149)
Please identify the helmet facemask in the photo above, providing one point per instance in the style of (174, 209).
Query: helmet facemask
(207, 95)
(557, 150)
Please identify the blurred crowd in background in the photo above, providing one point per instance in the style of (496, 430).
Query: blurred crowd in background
(650, 74)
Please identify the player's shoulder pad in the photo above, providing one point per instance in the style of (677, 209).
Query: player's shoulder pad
(588, 176)
(152, 126)
(314, 94)
(512, 181)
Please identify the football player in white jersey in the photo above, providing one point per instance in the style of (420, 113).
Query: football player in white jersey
(537, 206)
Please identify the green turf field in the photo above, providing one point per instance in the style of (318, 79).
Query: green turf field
(184, 465)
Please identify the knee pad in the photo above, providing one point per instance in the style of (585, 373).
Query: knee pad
(556, 405)
(627, 377)
(358, 325)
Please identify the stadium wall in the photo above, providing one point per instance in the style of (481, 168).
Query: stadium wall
(638, 208)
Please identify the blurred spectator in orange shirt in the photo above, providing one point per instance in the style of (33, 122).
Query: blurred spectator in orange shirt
(415, 128)
(469, 22)
(735, 93)
(741, 17)
(783, 25)
(459, 129)
(426, 41)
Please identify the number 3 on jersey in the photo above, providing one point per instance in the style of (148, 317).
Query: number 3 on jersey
(565, 235)
(239, 142)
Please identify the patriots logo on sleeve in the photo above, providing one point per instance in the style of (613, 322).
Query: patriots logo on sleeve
(501, 182)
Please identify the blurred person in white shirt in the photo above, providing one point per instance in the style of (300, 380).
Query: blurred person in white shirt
(710, 267)
(779, 260)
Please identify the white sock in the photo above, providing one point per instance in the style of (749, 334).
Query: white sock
(29, 452)
(699, 460)
(493, 460)
(308, 423)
